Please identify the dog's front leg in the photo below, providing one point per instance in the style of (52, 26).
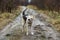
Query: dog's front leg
(32, 31)
(27, 31)
(27, 28)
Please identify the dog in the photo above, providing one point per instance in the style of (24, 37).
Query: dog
(28, 19)
(29, 24)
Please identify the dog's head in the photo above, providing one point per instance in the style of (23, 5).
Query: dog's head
(30, 17)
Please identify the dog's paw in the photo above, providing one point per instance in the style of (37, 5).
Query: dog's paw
(32, 33)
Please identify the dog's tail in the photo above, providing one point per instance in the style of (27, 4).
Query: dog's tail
(24, 11)
(24, 16)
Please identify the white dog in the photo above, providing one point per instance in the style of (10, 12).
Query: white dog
(28, 19)
(29, 24)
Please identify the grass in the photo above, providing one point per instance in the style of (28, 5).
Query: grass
(6, 18)
(54, 17)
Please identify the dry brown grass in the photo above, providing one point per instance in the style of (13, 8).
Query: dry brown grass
(54, 16)
(6, 18)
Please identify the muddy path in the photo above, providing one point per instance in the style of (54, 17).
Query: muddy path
(42, 29)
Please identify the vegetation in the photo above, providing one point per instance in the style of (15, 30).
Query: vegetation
(8, 5)
(8, 8)
(6, 17)
(47, 4)
(54, 16)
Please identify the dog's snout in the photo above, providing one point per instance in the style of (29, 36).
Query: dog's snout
(29, 19)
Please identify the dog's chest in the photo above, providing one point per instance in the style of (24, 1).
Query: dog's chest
(29, 22)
